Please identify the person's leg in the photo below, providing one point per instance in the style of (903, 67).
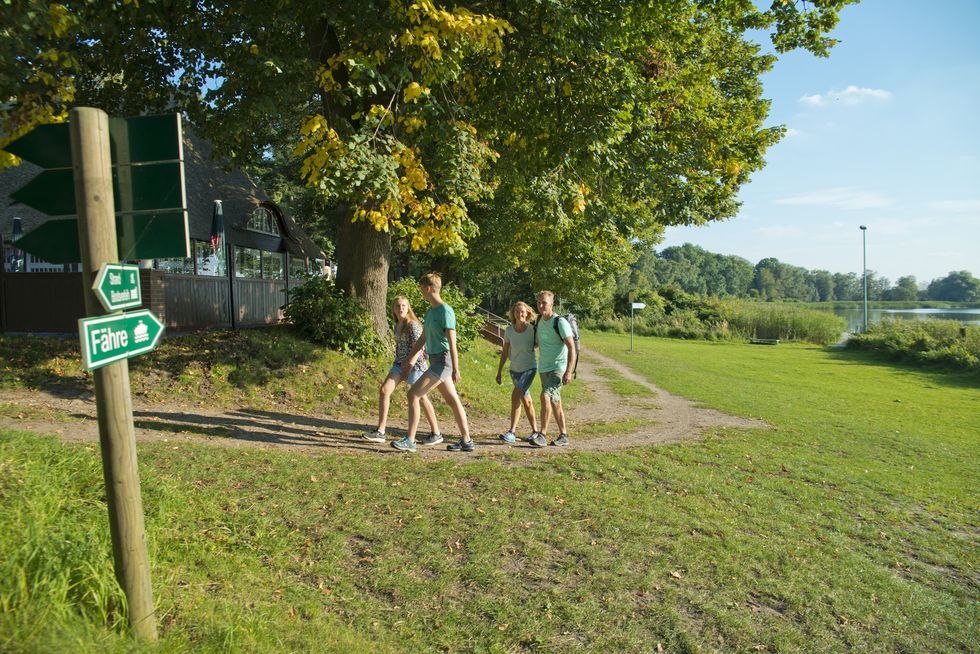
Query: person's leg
(529, 411)
(448, 390)
(559, 416)
(430, 413)
(545, 412)
(418, 390)
(384, 401)
(515, 409)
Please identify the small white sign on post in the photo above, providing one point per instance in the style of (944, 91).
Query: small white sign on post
(633, 307)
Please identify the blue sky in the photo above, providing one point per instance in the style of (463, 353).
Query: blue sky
(883, 133)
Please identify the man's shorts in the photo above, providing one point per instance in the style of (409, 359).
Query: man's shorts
(413, 374)
(551, 385)
(523, 380)
(440, 366)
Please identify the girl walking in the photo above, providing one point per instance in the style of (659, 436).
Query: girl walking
(519, 348)
(407, 332)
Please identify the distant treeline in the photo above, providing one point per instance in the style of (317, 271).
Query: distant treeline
(699, 272)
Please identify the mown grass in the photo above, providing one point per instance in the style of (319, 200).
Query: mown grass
(850, 525)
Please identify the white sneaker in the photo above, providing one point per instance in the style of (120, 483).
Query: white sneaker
(374, 436)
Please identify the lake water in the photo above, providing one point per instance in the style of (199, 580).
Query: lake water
(855, 317)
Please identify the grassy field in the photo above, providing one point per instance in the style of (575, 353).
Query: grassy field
(850, 525)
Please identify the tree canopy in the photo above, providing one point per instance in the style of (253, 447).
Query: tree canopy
(552, 139)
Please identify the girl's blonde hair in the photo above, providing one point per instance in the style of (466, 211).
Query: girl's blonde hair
(532, 315)
(410, 316)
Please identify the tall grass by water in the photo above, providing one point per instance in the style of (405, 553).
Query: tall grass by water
(714, 319)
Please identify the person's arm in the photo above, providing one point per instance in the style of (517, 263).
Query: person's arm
(504, 353)
(572, 357)
(454, 356)
(413, 354)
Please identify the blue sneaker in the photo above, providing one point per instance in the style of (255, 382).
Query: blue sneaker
(403, 444)
(508, 437)
(461, 446)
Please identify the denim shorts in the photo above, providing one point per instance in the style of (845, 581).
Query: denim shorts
(523, 379)
(440, 366)
(551, 385)
(413, 374)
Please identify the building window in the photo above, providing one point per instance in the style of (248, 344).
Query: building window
(297, 266)
(209, 263)
(175, 265)
(272, 265)
(263, 220)
(248, 263)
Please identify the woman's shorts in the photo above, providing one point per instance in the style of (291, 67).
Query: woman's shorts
(523, 380)
(440, 366)
(413, 374)
(551, 385)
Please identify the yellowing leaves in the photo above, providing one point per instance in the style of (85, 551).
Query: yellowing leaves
(413, 91)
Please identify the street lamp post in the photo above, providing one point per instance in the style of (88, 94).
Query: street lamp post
(864, 263)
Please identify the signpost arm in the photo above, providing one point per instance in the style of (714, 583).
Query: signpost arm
(97, 239)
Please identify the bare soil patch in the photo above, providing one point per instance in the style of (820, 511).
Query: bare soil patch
(659, 417)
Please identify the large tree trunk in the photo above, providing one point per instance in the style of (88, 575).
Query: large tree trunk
(363, 258)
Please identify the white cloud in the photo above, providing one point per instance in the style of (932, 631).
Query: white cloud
(852, 95)
(791, 132)
(841, 198)
(957, 206)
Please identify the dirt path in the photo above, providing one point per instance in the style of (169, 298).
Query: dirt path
(659, 417)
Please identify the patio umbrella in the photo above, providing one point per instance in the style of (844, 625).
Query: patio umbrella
(218, 238)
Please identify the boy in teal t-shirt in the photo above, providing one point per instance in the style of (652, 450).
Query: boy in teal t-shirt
(439, 339)
(556, 360)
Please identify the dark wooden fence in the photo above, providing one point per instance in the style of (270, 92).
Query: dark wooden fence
(52, 302)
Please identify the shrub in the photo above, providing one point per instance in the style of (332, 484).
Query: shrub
(468, 321)
(939, 342)
(326, 315)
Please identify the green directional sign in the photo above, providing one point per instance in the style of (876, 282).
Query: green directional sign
(48, 146)
(148, 189)
(51, 192)
(118, 286)
(54, 241)
(107, 339)
(134, 188)
(147, 235)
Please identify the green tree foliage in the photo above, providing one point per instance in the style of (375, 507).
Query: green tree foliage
(468, 321)
(548, 137)
(905, 289)
(957, 286)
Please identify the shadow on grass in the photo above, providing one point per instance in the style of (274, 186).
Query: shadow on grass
(254, 426)
(936, 375)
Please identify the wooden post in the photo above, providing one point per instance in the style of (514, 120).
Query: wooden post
(92, 161)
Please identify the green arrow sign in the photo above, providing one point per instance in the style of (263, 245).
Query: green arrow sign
(51, 192)
(149, 235)
(48, 146)
(148, 189)
(118, 286)
(134, 188)
(54, 241)
(112, 338)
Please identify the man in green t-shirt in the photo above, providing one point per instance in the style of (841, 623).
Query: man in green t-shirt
(439, 339)
(556, 360)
